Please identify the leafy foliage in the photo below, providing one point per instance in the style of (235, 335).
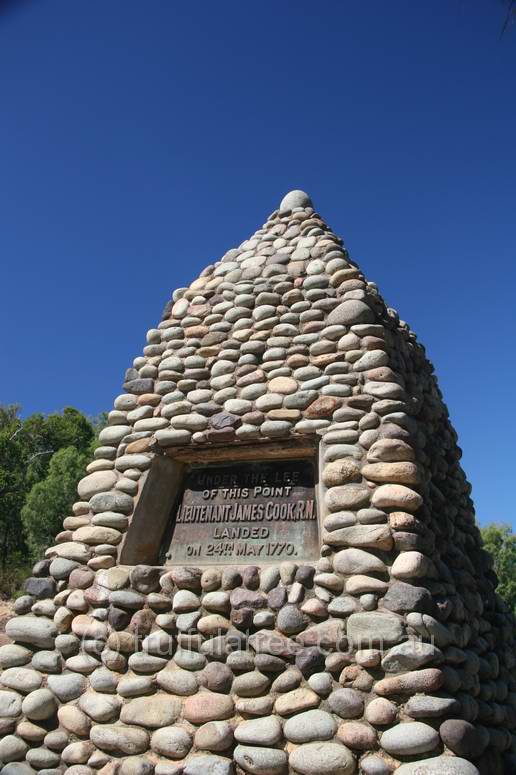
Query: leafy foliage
(500, 542)
(29, 455)
(51, 499)
(14, 461)
(13, 575)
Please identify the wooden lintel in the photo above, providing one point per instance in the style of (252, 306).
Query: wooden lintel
(257, 451)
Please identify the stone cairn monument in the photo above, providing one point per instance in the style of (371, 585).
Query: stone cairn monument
(273, 565)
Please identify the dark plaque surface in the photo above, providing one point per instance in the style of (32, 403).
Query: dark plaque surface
(244, 513)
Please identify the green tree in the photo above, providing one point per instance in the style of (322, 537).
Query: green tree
(48, 434)
(27, 447)
(500, 542)
(50, 500)
(15, 453)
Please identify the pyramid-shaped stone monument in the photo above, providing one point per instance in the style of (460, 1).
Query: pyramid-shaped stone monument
(273, 566)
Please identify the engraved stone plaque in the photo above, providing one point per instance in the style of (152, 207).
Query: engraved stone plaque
(260, 512)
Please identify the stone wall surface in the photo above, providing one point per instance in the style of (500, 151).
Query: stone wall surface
(391, 653)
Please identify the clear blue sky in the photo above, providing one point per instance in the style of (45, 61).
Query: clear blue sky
(140, 140)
